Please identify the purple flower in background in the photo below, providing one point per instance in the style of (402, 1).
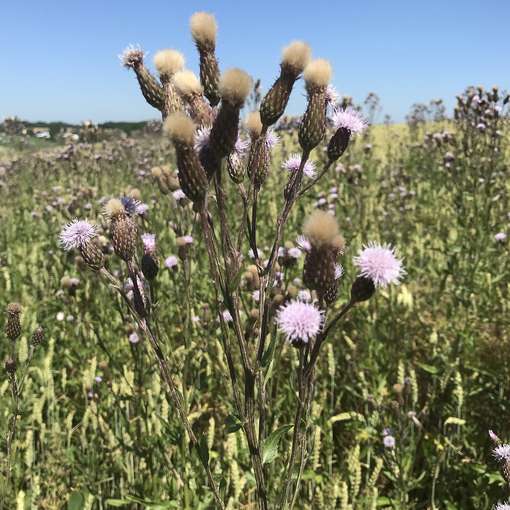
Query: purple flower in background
(350, 119)
(149, 243)
(295, 253)
(179, 194)
(332, 95)
(378, 262)
(76, 234)
(134, 338)
(202, 138)
(187, 239)
(293, 163)
(303, 243)
(171, 261)
(227, 316)
(339, 271)
(130, 205)
(502, 506)
(389, 441)
(299, 321)
(241, 146)
(141, 209)
(500, 237)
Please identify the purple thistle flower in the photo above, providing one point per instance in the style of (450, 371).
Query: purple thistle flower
(141, 209)
(227, 316)
(502, 452)
(294, 161)
(272, 139)
(187, 239)
(130, 205)
(149, 243)
(332, 95)
(132, 56)
(500, 237)
(295, 253)
(171, 261)
(76, 234)
(202, 138)
(241, 146)
(179, 194)
(379, 264)
(350, 119)
(304, 295)
(134, 338)
(299, 321)
(303, 243)
(339, 271)
(502, 506)
(389, 441)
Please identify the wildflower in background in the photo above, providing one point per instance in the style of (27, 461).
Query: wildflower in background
(502, 506)
(295, 253)
(141, 209)
(350, 119)
(149, 243)
(332, 95)
(299, 321)
(134, 338)
(379, 264)
(187, 239)
(256, 295)
(389, 441)
(179, 195)
(202, 138)
(272, 139)
(339, 271)
(293, 163)
(500, 237)
(227, 316)
(76, 234)
(171, 261)
(304, 295)
(303, 243)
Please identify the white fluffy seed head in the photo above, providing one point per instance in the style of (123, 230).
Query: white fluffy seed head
(187, 83)
(114, 208)
(203, 28)
(180, 128)
(254, 124)
(322, 228)
(168, 62)
(235, 85)
(318, 73)
(297, 55)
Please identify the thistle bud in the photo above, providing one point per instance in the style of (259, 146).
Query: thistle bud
(10, 365)
(190, 89)
(152, 91)
(313, 125)
(259, 161)
(38, 336)
(203, 30)
(149, 266)
(362, 289)
(192, 176)
(338, 143)
(295, 58)
(92, 255)
(234, 87)
(13, 325)
(123, 231)
(320, 271)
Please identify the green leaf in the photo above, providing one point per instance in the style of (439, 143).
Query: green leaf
(76, 501)
(349, 415)
(117, 502)
(232, 423)
(203, 450)
(270, 444)
(428, 368)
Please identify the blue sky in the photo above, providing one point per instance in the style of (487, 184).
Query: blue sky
(60, 57)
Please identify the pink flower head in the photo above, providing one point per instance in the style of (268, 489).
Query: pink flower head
(350, 119)
(272, 139)
(76, 234)
(179, 195)
(379, 264)
(132, 56)
(502, 506)
(149, 243)
(241, 146)
(171, 262)
(134, 338)
(303, 243)
(227, 316)
(294, 161)
(502, 452)
(500, 237)
(295, 253)
(332, 95)
(187, 239)
(339, 271)
(299, 321)
(141, 209)
(202, 138)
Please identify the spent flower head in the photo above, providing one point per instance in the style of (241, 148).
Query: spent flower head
(379, 263)
(350, 119)
(299, 321)
(77, 233)
(132, 56)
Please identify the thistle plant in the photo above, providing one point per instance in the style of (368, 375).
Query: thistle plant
(218, 156)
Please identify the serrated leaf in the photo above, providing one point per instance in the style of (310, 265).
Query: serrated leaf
(270, 444)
